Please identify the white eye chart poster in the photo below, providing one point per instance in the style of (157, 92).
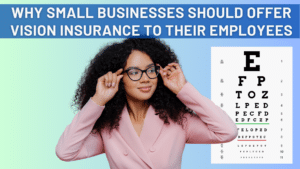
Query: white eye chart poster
(254, 86)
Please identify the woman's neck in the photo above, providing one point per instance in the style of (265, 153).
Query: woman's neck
(137, 109)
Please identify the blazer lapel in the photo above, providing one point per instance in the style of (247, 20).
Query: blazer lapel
(128, 133)
(151, 129)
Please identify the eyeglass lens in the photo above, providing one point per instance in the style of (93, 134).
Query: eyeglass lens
(136, 74)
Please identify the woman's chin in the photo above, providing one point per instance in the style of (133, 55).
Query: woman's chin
(140, 97)
(144, 97)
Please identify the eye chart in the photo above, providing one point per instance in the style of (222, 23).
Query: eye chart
(254, 86)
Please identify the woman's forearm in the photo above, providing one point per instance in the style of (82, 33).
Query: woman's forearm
(77, 141)
(213, 125)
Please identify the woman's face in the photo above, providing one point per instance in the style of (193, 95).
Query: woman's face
(144, 88)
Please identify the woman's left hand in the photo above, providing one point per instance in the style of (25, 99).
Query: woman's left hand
(173, 77)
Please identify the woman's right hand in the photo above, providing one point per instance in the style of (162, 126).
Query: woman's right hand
(107, 87)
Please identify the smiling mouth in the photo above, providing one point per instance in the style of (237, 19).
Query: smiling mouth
(145, 89)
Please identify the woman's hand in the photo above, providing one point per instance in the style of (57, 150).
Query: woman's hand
(107, 87)
(173, 77)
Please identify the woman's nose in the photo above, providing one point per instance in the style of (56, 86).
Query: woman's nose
(144, 77)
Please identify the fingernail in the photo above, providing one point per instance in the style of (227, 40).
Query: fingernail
(109, 84)
(113, 84)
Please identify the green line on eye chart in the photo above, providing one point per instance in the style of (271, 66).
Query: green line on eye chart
(252, 123)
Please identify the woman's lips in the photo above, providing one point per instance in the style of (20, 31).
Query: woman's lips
(145, 89)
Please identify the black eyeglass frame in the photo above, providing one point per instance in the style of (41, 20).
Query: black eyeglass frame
(156, 68)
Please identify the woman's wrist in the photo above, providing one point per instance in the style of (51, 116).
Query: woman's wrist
(180, 88)
(98, 101)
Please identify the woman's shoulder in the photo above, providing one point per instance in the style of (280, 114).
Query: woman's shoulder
(183, 121)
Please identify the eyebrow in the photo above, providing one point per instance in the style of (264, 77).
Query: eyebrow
(132, 67)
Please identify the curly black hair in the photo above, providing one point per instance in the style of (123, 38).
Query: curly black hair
(113, 57)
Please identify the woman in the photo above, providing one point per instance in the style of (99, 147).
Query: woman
(138, 109)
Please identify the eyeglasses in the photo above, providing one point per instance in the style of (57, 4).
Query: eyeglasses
(136, 74)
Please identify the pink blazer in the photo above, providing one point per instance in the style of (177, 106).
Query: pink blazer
(159, 145)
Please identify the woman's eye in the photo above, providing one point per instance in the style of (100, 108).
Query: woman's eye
(133, 72)
(151, 70)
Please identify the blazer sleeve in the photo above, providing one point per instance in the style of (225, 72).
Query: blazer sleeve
(211, 124)
(77, 142)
